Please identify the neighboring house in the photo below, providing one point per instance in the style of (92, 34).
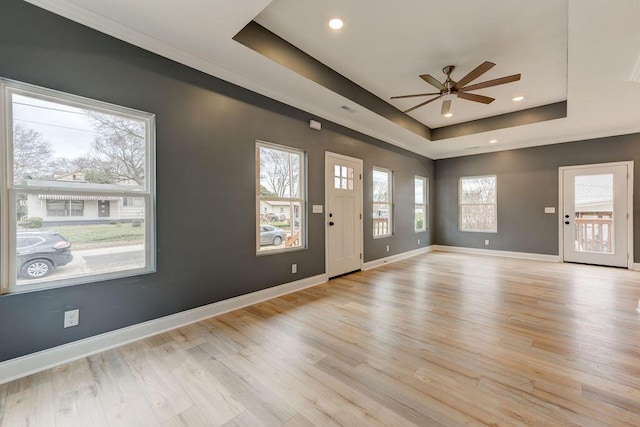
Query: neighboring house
(74, 207)
(276, 207)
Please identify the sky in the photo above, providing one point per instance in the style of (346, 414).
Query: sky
(68, 129)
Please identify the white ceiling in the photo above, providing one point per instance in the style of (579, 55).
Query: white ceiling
(385, 45)
(384, 48)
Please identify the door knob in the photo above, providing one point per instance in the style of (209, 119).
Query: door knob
(566, 216)
(331, 223)
(566, 222)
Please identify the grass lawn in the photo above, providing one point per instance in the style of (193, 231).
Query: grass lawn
(100, 235)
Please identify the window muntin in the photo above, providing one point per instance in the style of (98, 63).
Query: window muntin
(382, 202)
(65, 155)
(421, 212)
(280, 198)
(343, 177)
(478, 204)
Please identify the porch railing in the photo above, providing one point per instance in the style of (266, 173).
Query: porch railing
(594, 234)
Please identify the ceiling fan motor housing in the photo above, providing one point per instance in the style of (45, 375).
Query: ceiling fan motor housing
(448, 84)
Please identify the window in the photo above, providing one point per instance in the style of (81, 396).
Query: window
(343, 177)
(65, 208)
(72, 162)
(280, 187)
(478, 204)
(132, 202)
(382, 203)
(421, 212)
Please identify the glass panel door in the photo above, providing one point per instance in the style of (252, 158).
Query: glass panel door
(594, 213)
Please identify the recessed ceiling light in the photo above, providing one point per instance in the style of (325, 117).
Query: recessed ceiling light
(518, 98)
(336, 23)
(447, 115)
(493, 141)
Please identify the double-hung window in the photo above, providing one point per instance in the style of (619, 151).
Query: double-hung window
(421, 212)
(478, 204)
(77, 189)
(280, 198)
(382, 202)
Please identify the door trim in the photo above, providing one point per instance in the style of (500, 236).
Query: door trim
(630, 176)
(328, 154)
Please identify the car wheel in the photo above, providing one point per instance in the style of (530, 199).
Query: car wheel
(277, 240)
(36, 269)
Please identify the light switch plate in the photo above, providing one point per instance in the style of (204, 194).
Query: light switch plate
(550, 210)
(317, 209)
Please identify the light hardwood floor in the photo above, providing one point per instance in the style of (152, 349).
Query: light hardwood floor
(439, 339)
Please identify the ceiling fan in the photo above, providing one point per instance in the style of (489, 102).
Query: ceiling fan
(451, 88)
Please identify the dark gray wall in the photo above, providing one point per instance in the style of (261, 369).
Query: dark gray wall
(527, 182)
(206, 131)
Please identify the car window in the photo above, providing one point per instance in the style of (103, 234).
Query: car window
(23, 242)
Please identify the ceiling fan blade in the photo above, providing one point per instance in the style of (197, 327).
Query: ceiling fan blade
(413, 96)
(477, 98)
(474, 74)
(446, 107)
(432, 81)
(490, 83)
(422, 104)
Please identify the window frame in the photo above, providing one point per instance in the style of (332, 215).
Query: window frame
(389, 202)
(9, 190)
(460, 204)
(302, 199)
(424, 205)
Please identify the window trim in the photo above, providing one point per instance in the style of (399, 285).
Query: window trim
(389, 173)
(302, 199)
(9, 189)
(424, 206)
(460, 204)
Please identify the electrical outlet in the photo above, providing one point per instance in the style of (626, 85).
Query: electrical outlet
(294, 268)
(418, 241)
(71, 318)
(387, 248)
(486, 242)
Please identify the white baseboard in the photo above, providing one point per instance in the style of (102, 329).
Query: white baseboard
(30, 364)
(491, 252)
(382, 261)
(636, 267)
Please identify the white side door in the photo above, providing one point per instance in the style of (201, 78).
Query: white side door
(343, 189)
(595, 215)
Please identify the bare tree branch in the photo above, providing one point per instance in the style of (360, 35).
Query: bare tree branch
(31, 154)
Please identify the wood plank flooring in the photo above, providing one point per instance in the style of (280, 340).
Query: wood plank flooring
(440, 339)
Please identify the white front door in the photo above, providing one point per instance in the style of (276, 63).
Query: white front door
(343, 216)
(595, 214)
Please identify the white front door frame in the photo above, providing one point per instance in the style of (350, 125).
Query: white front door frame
(629, 164)
(328, 154)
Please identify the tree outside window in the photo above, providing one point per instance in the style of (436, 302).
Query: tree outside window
(421, 216)
(478, 204)
(279, 198)
(382, 203)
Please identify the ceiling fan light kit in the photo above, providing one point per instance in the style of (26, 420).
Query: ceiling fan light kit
(450, 88)
(446, 107)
